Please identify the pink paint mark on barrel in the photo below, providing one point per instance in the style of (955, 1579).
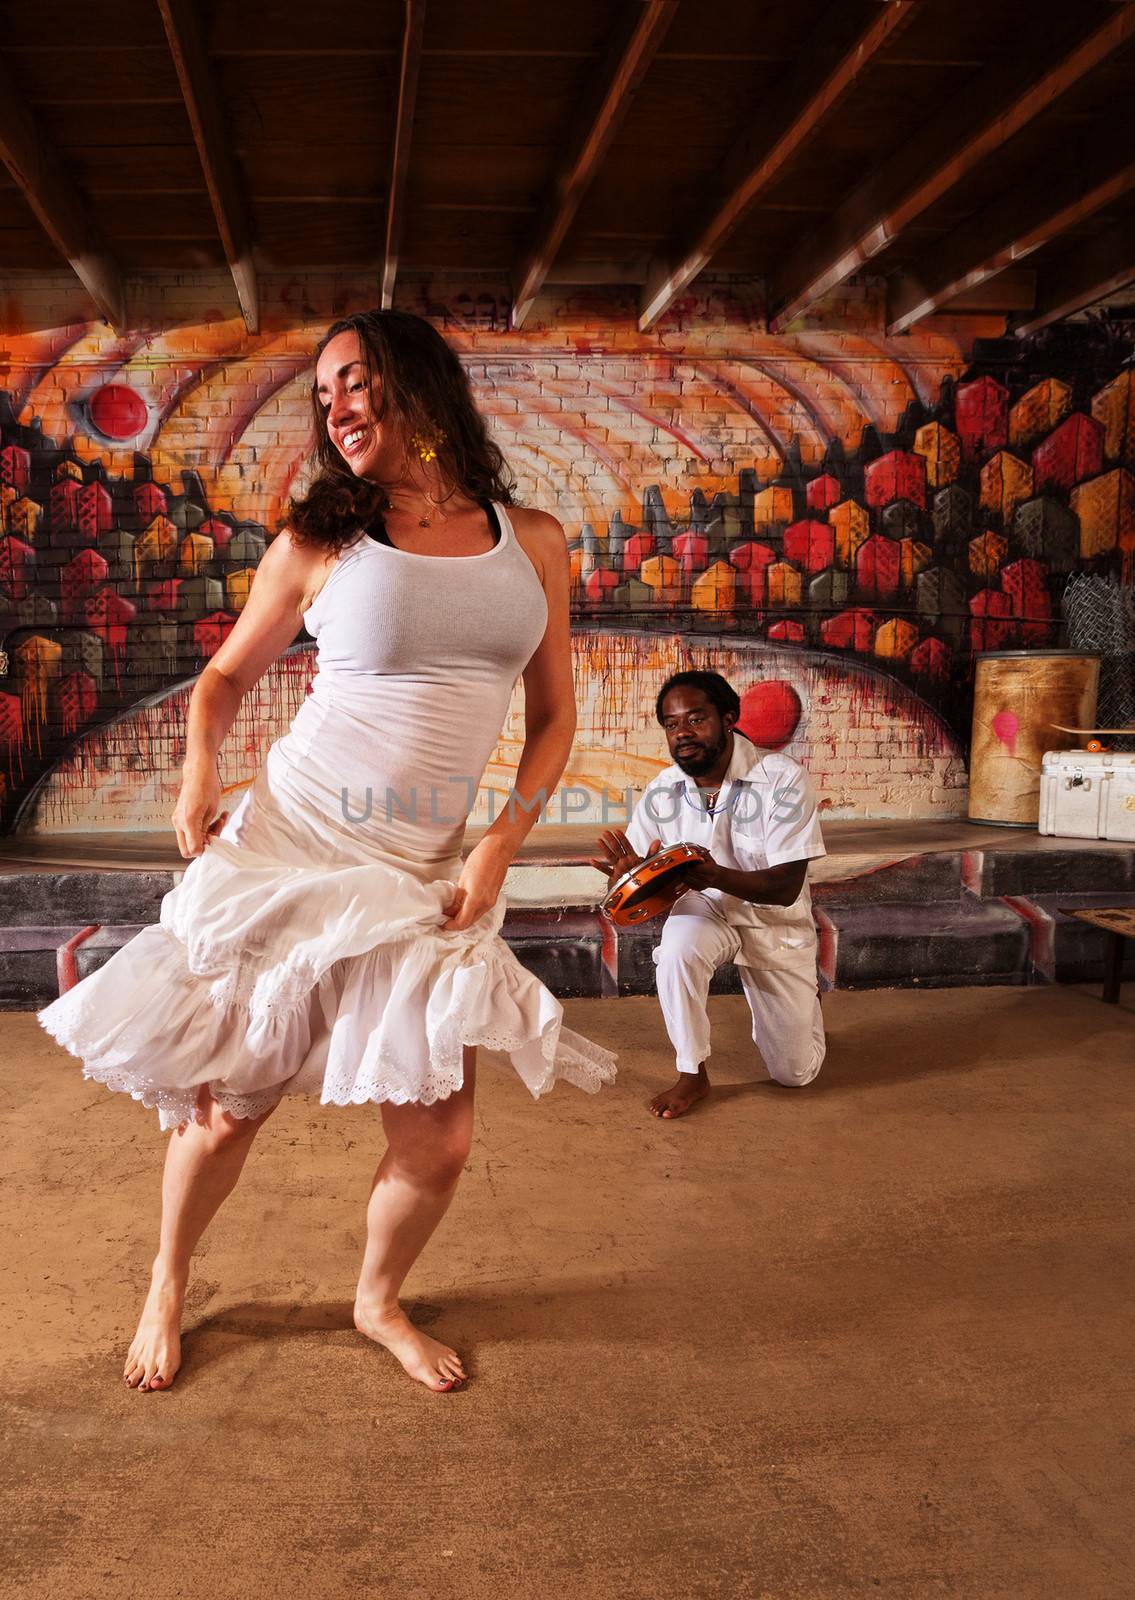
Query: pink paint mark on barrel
(1007, 726)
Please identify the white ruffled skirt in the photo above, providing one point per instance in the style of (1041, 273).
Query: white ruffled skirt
(271, 973)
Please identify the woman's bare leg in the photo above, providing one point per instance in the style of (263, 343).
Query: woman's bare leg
(427, 1147)
(203, 1163)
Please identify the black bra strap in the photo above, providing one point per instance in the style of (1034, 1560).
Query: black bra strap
(377, 529)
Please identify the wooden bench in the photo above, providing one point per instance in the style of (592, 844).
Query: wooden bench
(1118, 922)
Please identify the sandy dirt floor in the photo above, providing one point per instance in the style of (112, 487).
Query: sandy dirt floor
(872, 1337)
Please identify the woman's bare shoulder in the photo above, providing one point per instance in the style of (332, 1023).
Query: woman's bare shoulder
(300, 565)
(288, 550)
(539, 523)
(542, 537)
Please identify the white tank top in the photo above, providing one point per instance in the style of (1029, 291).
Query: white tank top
(417, 658)
(391, 611)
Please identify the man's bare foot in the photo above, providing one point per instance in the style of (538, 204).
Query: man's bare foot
(428, 1360)
(155, 1355)
(675, 1102)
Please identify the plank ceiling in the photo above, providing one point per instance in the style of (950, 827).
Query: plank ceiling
(975, 153)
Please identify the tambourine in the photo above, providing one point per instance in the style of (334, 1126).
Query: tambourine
(652, 887)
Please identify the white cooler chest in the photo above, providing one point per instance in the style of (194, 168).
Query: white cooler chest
(1087, 794)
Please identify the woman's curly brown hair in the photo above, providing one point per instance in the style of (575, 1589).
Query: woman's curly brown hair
(424, 388)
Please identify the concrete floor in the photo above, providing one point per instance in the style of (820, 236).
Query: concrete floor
(871, 1337)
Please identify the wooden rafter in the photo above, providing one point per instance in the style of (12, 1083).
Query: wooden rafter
(1095, 269)
(573, 181)
(1011, 290)
(866, 224)
(403, 132)
(660, 294)
(57, 202)
(206, 118)
(872, 218)
(969, 261)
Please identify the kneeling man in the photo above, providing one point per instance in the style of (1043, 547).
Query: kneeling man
(755, 811)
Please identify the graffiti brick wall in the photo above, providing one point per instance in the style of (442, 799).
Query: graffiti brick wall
(836, 519)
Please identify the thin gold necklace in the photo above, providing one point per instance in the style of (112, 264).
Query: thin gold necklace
(426, 517)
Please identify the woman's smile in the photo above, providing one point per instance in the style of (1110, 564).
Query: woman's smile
(352, 442)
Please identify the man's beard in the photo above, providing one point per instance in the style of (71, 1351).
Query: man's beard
(694, 765)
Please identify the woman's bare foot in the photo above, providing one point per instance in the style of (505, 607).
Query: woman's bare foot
(675, 1102)
(155, 1355)
(432, 1363)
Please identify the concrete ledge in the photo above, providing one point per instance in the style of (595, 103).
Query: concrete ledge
(944, 944)
(38, 897)
(1064, 949)
(890, 913)
(1095, 867)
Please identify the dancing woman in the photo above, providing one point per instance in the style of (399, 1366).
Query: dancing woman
(326, 937)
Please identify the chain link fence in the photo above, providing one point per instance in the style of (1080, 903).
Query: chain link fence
(1099, 614)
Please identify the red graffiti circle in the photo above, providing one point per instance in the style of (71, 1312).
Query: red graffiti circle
(117, 412)
(770, 713)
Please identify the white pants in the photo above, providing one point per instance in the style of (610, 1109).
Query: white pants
(788, 1028)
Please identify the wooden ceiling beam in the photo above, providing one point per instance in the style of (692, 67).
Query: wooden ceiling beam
(879, 210)
(57, 202)
(1012, 290)
(403, 133)
(669, 281)
(206, 118)
(574, 179)
(968, 260)
(1094, 270)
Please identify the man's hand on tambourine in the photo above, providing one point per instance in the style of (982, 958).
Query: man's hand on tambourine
(618, 857)
(702, 874)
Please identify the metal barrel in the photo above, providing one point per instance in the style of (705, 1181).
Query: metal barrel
(1018, 697)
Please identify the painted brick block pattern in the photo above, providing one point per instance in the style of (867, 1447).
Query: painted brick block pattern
(878, 568)
(1006, 480)
(784, 584)
(895, 639)
(898, 475)
(942, 452)
(715, 589)
(931, 659)
(663, 576)
(15, 468)
(1114, 407)
(981, 416)
(1038, 411)
(810, 545)
(853, 629)
(991, 627)
(823, 492)
(1026, 584)
(1047, 530)
(1105, 508)
(1071, 453)
(692, 551)
(986, 553)
(772, 506)
(852, 525)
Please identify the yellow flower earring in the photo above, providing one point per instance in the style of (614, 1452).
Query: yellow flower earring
(426, 443)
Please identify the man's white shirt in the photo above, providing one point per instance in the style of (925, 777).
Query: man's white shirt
(765, 815)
